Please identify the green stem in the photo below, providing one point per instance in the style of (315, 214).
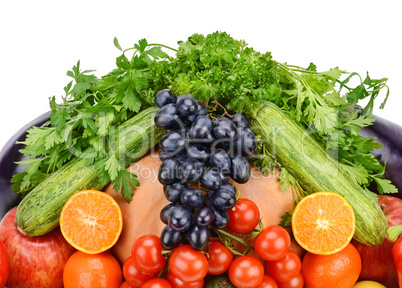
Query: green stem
(240, 240)
(164, 46)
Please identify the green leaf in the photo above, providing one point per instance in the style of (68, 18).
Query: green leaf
(358, 173)
(142, 44)
(126, 181)
(104, 121)
(112, 166)
(335, 98)
(286, 219)
(116, 44)
(385, 186)
(122, 62)
(334, 73)
(131, 101)
(357, 94)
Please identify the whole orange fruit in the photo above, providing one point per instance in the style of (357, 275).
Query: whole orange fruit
(338, 270)
(92, 271)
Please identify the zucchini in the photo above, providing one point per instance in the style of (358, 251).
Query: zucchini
(308, 162)
(39, 212)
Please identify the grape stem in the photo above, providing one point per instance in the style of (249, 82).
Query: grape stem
(225, 112)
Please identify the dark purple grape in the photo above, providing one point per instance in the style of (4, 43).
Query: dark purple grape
(190, 170)
(223, 199)
(220, 160)
(221, 218)
(229, 187)
(240, 120)
(207, 141)
(223, 128)
(201, 111)
(164, 97)
(181, 156)
(198, 237)
(170, 238)
(208, 198)
(211, 179)
(192, 198)
(167, 118)
(173, 143)
(240, 171)
(180, 218)
(163, 156)
(204, 216)
(165, 212)
(173, 191)
(186, 105)
(168, 171)
(200, 128)
(245, 144)
(199, 152)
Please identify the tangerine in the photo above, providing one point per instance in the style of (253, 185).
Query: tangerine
(323, 223)
(338, 270)
(91, 221)
(100, 270)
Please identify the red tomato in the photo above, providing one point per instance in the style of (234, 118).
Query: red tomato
(284, 269)
(220, 258)
(244, 217)
(147, 254)
(177, 283)
(125, 284)
(273, 243)
(4, 267)
(134, 276)
(267, 282)
(246, 271)
(157, 283)
(187, 264)
(296, 282)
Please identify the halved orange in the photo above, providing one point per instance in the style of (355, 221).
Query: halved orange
(91, 221)
(323, 223)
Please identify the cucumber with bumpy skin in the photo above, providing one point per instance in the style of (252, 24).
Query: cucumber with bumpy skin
(39, 212)
(315, 170)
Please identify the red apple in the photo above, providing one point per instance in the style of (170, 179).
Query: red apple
(377, 262)
(3, 265)
(34, 261)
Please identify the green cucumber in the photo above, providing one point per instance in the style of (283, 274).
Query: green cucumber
(39, 212)
(315, 170)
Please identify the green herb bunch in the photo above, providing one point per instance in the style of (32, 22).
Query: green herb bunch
(216, 69)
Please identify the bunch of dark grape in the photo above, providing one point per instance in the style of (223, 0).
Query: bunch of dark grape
(200, 154)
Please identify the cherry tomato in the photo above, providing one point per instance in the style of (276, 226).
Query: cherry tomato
(296, 282)
(267, 282)
(246, 271)
(147, 254)
(187, 264)
(273, 243)
(244, 217)
(284, 269)
(177, 283)
(125, 284)
(157, 283)
(220, 258)
(134, 276)
(4, 265)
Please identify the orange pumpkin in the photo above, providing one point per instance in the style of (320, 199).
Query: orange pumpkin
(141, 215)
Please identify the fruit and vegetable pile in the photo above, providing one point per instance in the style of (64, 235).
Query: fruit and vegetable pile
(215, 167)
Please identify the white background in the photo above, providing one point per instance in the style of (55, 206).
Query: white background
(41, 40)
